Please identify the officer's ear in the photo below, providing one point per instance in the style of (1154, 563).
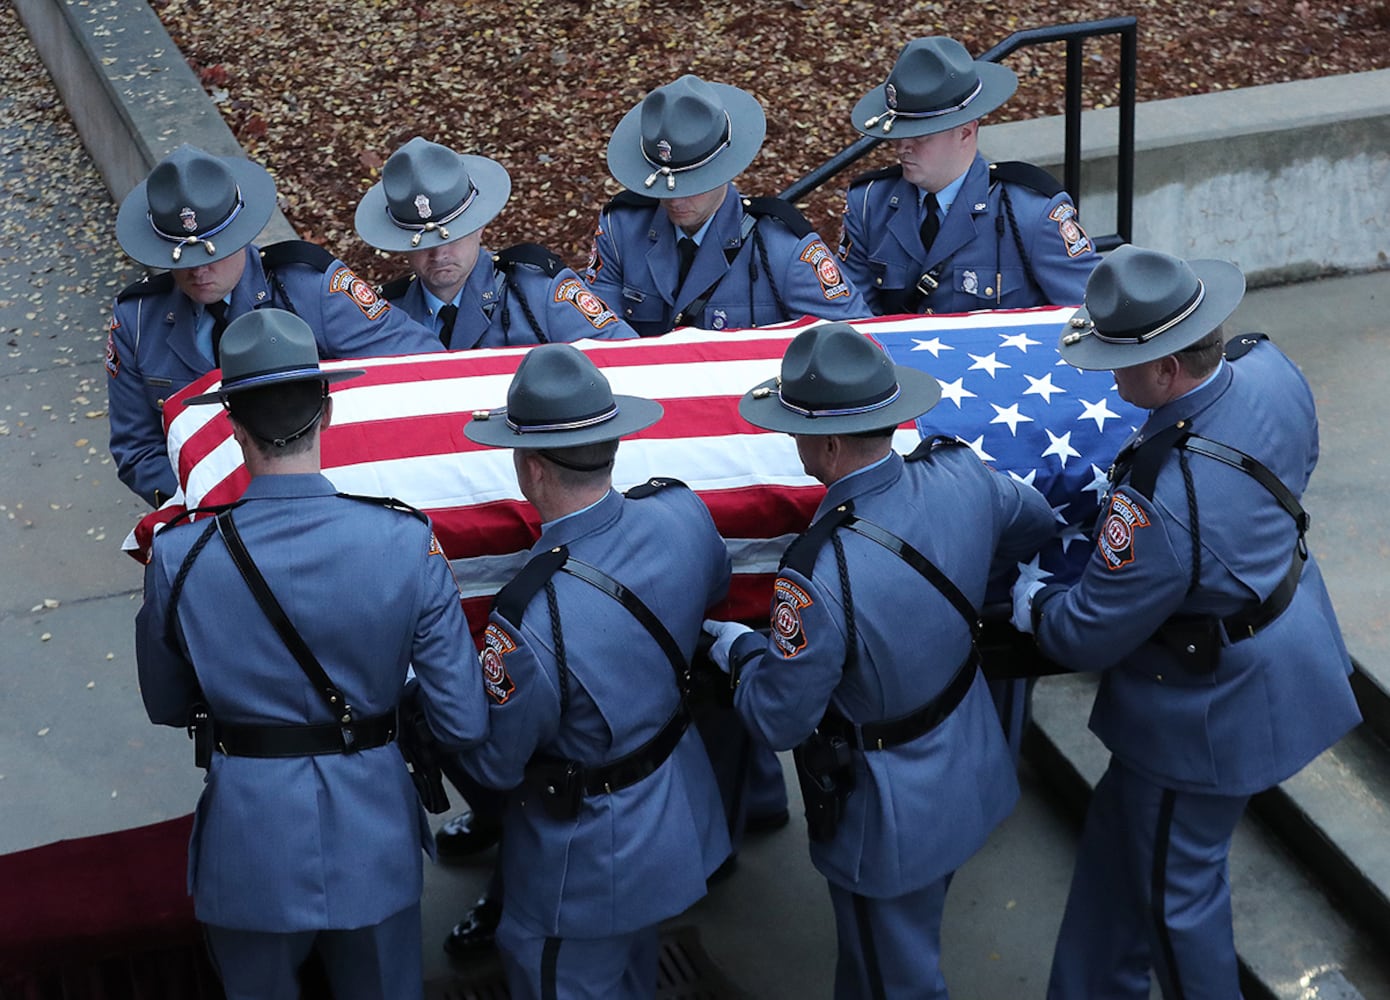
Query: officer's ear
(327, 417)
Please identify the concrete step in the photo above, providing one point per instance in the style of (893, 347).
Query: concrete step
(1294, 941)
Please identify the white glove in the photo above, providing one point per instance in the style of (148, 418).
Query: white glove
(724, 634)
(1024, 590)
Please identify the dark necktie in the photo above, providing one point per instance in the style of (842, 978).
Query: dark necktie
(447, 315)
(686, 248)
(931, 225)
(218, 311)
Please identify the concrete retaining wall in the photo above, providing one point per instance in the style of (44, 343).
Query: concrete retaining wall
(1290, 181)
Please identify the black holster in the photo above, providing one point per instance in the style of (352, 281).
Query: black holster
(1194, 639)
(559, 783)
(421, 751)
(825, 770)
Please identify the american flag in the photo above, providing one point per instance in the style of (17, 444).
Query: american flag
(398, 431)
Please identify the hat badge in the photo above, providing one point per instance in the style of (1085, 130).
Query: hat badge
(663, 151)
(422, 205)
(890, 93)
(189, 219)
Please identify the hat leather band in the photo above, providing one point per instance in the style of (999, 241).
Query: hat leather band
(296, 374)
(892, 114)
(566, 425)
(205, 237)
(1140, 335)
(421, 228)
(841, 411)
(669, 171)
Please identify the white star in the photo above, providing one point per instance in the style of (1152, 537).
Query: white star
(1072, 533)
(987, 363)
(1057, 513)
(978, 447)
(1099, 412)
(1031, 572)
(1061, 447)
(1009, 415)
(1019, 340)
(934, 345)
(1099, 484)
(1041, 387)
(1028, 479)
(955, 391)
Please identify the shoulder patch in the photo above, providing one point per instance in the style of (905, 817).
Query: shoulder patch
(651, 487)
(530, 253)
(832, 282)
(346, 282)
(395, 290)
(496, 681)
(886, 173)
(1069, 228)
(296, 252)
(113, 357)
(589, 305)
(1239, 347)
(783, 211)
(788, 630)
(1025, 175)
(630, 199)
(1116, 539)
(931, 444)
(150, 284)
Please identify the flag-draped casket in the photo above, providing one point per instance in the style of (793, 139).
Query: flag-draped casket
(398, 431)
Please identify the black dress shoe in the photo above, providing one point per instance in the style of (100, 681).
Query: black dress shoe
(767, 822)
(477, 931)
(466, 834)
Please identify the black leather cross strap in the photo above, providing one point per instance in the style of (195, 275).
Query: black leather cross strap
(904, 551)
(906, 728)
(303, 741)
(1246, 624)
(632, 767)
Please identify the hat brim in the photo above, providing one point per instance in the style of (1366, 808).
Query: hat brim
(919, 393)
(494, 186)
(747, 129)
(139, 240)
(220, 394)
(634, 414)
(997, 85)
(1224, 288)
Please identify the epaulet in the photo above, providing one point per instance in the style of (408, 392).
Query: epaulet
(801, 554)
(629, 199)
(1148, 458)
(783, 211)
(651, 487)
(150, 284)
(1025, 175)
(395, 288)
(512, 600)
(529, 253)
(296, 252)
(389, 502)
(1239, 347)
(186, 516)
(929, 445)
(885, 173)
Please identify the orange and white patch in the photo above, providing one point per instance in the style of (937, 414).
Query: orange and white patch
(113, 357)
(1116, 539)
(832, 282)
(1069, 228)
(496, 681)
(788, 632)
(363, 295)
(593, 308)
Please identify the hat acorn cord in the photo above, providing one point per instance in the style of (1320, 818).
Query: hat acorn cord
(834, 380)
(195, 208)
(267, 347)
(686, 138)
(429, 195)
(935, 85)
(558, 398)
(1143, 304)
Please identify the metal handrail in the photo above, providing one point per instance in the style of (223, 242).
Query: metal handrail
(1074, 35)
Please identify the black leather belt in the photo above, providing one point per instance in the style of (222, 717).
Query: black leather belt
(905, 728)
(632, 767)
(1244, 624)
(305, 741)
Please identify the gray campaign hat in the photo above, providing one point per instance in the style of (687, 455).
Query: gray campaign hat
(835, 380)
(195, 208)
(686, 138)
(935, 85)
(1142, 305)
(429, 195)
(559, 399)
(268, 347)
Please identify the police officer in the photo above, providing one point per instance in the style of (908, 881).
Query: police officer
(196, 215)
(681, 246)
(309, 830)
(946, 231)
(1224, 667)
(614, 821)
(431, 205)
(871, 670)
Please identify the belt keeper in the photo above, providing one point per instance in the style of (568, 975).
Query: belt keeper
(879, 742)
(349, 739)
